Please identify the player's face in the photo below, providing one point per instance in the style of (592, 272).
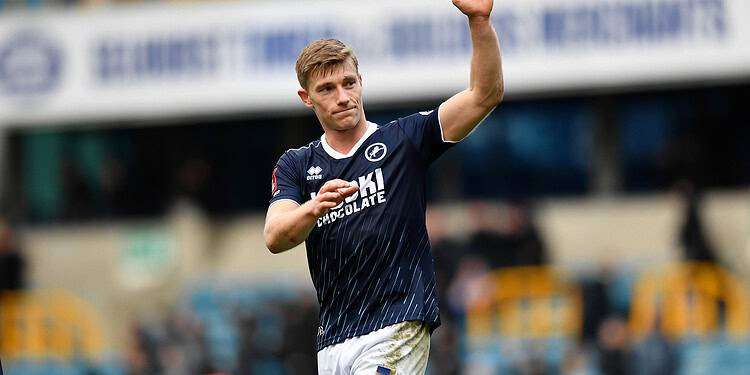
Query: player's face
(336, 97)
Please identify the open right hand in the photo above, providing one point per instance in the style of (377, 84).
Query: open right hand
(330, 195)
(474, 8)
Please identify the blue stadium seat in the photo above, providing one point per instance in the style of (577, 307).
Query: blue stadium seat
(620, 290)
(44, 367)
(716, 355)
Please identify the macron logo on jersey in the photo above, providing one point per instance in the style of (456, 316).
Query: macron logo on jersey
(314, 173)
(371, 192)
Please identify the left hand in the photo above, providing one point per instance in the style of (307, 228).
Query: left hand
(474, 8)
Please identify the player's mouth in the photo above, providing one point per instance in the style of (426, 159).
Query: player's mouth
(345, 111)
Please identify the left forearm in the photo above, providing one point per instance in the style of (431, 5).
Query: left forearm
(486, 80)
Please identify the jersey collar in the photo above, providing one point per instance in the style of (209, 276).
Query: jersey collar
(371, 128)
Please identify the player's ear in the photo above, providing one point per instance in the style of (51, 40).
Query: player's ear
(305, 97)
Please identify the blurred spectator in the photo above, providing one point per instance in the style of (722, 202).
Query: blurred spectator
(113, 180)
(142, 358)
(248, 325)
(446, 250)
(12, 263)
(535, 364)
(175, 345)
(469, 284)
(596, 306)
(79, 197)
(487, 241)
(192, 182)
(695, 245)
(576, 362)
(614, 349)
(654, 355)
(185, 350)
(300, 328)
(445, 358)
(517, 243)
(524, 236)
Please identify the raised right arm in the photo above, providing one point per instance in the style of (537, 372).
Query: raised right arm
(288, 223)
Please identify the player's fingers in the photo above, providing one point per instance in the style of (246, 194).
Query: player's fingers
(324, 207)
(329, 196)
(333, 185)
(327, 205)
(346, 192)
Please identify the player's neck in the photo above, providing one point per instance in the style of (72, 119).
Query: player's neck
(344, 140)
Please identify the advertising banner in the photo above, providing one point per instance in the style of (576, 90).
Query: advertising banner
(165, 59)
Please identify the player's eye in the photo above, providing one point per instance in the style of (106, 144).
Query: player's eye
(349, 83)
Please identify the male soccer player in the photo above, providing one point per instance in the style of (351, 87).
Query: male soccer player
(357, 199)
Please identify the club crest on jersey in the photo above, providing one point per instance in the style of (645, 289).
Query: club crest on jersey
(376, 152)
(314, 173)
(371, 192)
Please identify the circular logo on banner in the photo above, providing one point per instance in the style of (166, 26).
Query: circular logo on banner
(30, 64)
(376, 152)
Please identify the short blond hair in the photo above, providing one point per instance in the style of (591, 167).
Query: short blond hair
(322, 56)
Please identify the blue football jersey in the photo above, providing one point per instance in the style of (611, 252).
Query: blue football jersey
(369, 257)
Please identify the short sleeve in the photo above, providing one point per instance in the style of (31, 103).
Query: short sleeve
(285, 182)
(423, 130)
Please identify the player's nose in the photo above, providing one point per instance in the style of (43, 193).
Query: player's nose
(342, 97)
